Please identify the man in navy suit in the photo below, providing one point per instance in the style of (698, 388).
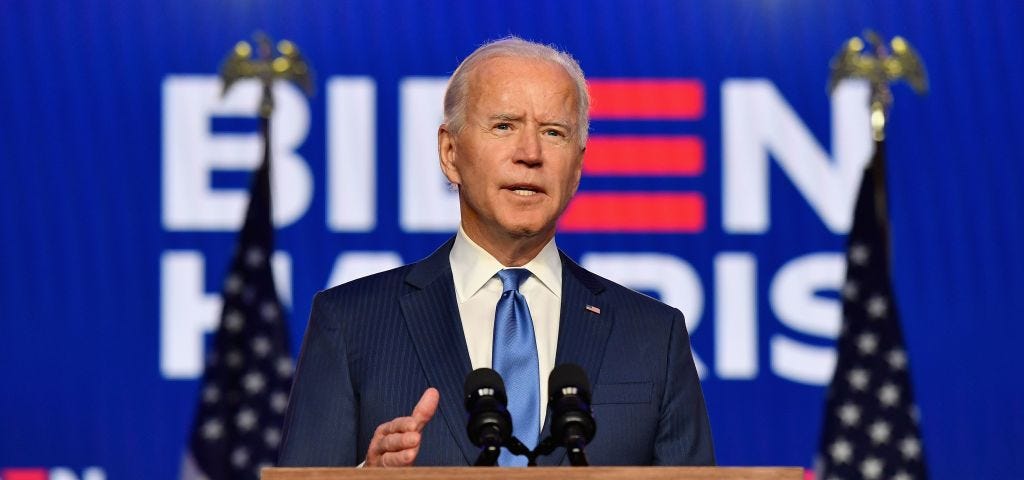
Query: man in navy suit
(512, 143)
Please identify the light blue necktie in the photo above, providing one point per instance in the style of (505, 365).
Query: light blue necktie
(515, 359)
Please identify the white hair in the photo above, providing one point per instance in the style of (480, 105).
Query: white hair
(512, 46)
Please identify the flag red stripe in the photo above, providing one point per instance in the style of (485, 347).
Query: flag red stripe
(635, 212)
(681, 99)
(644, 155)
(24, 474)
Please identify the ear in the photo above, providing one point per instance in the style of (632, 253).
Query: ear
(446, 154)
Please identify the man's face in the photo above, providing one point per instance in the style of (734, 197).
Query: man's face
(516, 160)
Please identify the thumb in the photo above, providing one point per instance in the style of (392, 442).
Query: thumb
(426, 407)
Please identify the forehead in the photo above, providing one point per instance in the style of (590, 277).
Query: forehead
(520, 83)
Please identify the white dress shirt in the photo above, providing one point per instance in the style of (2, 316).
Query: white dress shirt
(478, 288)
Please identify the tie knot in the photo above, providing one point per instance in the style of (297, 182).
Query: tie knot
(512, 278)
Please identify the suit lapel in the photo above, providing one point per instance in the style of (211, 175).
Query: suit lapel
(582, 332)
(432, 317)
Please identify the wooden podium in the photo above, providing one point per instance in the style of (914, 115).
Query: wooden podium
(537, 473)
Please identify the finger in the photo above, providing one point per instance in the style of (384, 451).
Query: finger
(401, 425)
(390, 446)
(374, 452)
(400, 441)
(413, 453)
(403, 458)
(426, 407)
(383, 446)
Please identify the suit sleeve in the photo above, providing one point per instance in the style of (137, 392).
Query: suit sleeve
(320, 425)
(684, 432)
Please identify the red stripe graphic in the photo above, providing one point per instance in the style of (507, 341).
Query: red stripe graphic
(635, 212)
(24, 474)
(646, 99)
(644, 155)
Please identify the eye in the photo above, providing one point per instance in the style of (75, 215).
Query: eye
(551, 132)
(503, 126)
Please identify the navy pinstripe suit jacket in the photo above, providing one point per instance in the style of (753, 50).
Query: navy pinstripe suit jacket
(375, 344)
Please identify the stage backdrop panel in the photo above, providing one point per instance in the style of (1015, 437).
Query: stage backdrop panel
(123, 178)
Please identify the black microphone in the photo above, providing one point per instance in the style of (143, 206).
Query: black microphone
(572, 423)
(489, 425)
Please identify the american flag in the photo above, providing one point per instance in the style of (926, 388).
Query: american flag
(871, 423)
(237, 426)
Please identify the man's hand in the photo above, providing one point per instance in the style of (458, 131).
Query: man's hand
(396, 443)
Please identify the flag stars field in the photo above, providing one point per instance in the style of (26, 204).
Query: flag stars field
(859, 254)
(850, 290)
(897, 359)
(260, 346)
(859, 379)
(278, 402)
(284, 366)
(841, 451)
(254, 257)
(234, 321)
(240, 457)
(902, 475)
(879, 432)
(889, 395)
(878, 307)
(269, 312)
(867, 343)
(871, 430)
(211, 394)
(233, 284)
(849, 414)
(253, 382)
(213, 429)
(872, 468)
(272, 437)
(233, 359)
(245, 392)
(246, 419)
(910, 447)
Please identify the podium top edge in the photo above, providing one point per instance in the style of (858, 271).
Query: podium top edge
(561, 473)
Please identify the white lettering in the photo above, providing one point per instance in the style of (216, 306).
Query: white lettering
(351, 154)
(427, 204)
(352, 265)
(795, 302)
(758, 123)
(191, 152)
(736, 315)
(187, 313)
(800, 362)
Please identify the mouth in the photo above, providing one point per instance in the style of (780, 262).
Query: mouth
(524, 189)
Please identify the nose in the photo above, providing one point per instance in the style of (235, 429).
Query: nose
(528, 149)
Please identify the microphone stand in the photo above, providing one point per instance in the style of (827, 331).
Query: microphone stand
(545, 447)
(489, 455)
(492, 450)
(577, 457)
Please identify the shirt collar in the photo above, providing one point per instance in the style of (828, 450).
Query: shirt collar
(472, 267)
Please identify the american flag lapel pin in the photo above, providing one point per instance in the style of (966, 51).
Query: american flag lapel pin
(593, 309)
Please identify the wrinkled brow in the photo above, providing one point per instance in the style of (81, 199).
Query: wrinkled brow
(511, 117)
(508, 117)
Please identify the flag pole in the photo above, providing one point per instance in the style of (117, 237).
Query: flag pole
(880, 66)
(871, 424)
(244, 393)
(289, 65)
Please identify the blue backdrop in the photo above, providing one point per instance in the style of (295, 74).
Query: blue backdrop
(110, 261)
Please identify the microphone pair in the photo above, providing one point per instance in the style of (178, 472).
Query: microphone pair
(490, 425)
